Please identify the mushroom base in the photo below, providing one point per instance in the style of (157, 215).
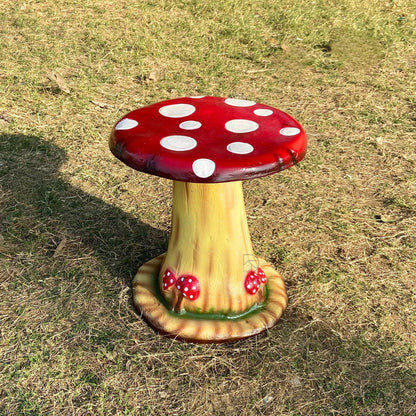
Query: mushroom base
(205, 327)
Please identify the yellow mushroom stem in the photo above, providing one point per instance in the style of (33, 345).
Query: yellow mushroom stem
(210, 240)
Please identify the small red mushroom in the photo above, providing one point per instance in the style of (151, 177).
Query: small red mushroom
(188, 285)
(262, 276)
(252, 282)
(168, 279)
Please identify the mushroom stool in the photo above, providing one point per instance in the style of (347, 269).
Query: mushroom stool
(209, 286)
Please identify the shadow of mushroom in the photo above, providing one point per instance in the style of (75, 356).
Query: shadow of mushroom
(39, 207)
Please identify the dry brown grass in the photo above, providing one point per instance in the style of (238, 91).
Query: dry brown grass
(75, 224)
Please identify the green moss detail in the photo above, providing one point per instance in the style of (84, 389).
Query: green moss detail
(212, 315)
(220, 316)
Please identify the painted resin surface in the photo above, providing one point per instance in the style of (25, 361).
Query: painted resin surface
(209, 286)
(208, 139)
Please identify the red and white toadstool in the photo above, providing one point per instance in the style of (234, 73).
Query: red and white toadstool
(189, 286)
(252, 282)
(207, 146)
(168, 279)
(262, 276)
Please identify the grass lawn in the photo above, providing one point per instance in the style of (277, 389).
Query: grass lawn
(75, 223)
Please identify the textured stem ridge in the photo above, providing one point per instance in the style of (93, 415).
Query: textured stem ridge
(210, 240)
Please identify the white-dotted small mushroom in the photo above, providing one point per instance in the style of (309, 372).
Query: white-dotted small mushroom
(208, 146)
(168, 279)
(262, 276)
(189, 287)
(252, 282)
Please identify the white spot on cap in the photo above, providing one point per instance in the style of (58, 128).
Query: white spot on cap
(190, 125)
(186, 289)
(196, 96)
(177, 110)
(178, 143)
(203, 168)
(241, 126)
(126, 124)
(240, 148)
(263, 112)
(239, 103)
(289, 131)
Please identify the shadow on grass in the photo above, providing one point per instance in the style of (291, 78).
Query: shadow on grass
(335, 372)
(40, 210)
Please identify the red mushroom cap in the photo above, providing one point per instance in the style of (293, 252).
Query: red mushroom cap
(188, 285)
(208, 139)
(168, 279)
(252, 282)
(262, 276)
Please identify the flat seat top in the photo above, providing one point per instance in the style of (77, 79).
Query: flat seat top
(208, 139)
